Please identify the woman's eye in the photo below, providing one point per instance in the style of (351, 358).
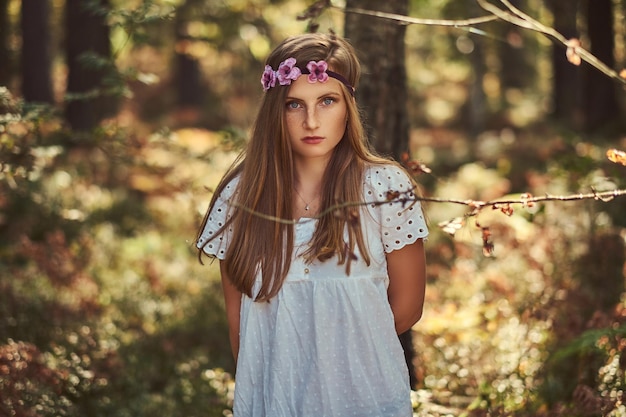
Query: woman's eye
(328, 101)
(292, 105)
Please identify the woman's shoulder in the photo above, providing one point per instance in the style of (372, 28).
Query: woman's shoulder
(386, 176)
(228, 187)
(392, 203)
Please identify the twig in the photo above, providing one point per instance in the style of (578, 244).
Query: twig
(329, 210)
(417, 21)
(475, 205)
(604, 196)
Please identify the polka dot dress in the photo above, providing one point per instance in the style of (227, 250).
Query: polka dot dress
(326, 344)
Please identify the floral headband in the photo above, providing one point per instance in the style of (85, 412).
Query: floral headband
(288, 72)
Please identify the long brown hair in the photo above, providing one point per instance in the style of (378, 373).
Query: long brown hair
(266, 180)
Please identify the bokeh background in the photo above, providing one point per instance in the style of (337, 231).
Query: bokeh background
(117, 118)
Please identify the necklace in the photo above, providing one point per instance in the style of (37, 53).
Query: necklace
(306, 205)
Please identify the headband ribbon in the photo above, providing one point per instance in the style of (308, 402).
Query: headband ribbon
(288, 72)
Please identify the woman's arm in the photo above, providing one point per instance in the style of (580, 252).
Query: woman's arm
(232, 298)
(407, 284)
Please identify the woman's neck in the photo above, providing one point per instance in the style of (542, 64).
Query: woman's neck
(307, 188)
(308, 175)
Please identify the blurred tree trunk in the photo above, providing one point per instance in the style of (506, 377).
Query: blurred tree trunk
(382, 91)
(566, 77)
(477, 109)
(5, 54)
(188, 78)
(600, 101)
(188, 73)
(89, 63)
(36, 61)
(516, 72)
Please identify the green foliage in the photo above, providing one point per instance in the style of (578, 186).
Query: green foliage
(588, 371)
(103, 309)
(536, 329)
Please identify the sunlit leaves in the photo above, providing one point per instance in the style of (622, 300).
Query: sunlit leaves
(9, 108)
(28, 385)
(618, 157)
(147, 78)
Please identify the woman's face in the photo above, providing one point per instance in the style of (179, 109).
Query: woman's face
(315, 115)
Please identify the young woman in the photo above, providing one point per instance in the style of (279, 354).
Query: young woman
(321, 267)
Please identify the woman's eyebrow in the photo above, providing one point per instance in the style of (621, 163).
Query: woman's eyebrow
(331, 93)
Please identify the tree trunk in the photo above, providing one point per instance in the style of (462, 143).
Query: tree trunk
(190, 92)
(188, 77)
(188, 73)
(383, 88)
(35, 62)
(478, 111)
(566, 76)
(88, 34)
(600, 101)
(5, 54)
(477, 100)
(382, 91)
(517, 72)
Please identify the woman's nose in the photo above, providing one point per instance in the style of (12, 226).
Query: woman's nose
(311, 120)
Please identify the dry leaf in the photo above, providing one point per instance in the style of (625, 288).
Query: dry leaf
(571, 53)
(414, 167)
(488, 245)
(451, 226)
(392, 195)
(618, 157)
(504, 208)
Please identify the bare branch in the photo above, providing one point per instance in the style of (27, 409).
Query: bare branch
(417, 21)
(475, 206)
(604, 196)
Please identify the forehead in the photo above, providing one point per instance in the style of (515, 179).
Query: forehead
(302, 88)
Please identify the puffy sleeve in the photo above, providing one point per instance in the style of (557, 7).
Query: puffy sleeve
(401, 223)
(212, 241)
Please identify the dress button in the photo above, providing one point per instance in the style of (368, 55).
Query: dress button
(306, 270)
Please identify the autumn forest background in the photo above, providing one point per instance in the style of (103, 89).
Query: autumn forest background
(118, 117)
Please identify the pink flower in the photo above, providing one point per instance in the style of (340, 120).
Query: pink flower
(317, 71)
(268, 79)
(287, 71)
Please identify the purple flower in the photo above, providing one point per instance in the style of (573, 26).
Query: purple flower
(268, 79)
(317, 71)
(287, 71)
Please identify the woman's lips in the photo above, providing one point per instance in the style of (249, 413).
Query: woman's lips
(312, 140)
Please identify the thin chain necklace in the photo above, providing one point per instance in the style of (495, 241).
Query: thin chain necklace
(307, 206)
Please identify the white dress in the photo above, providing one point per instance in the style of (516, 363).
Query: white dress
(326, 345)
